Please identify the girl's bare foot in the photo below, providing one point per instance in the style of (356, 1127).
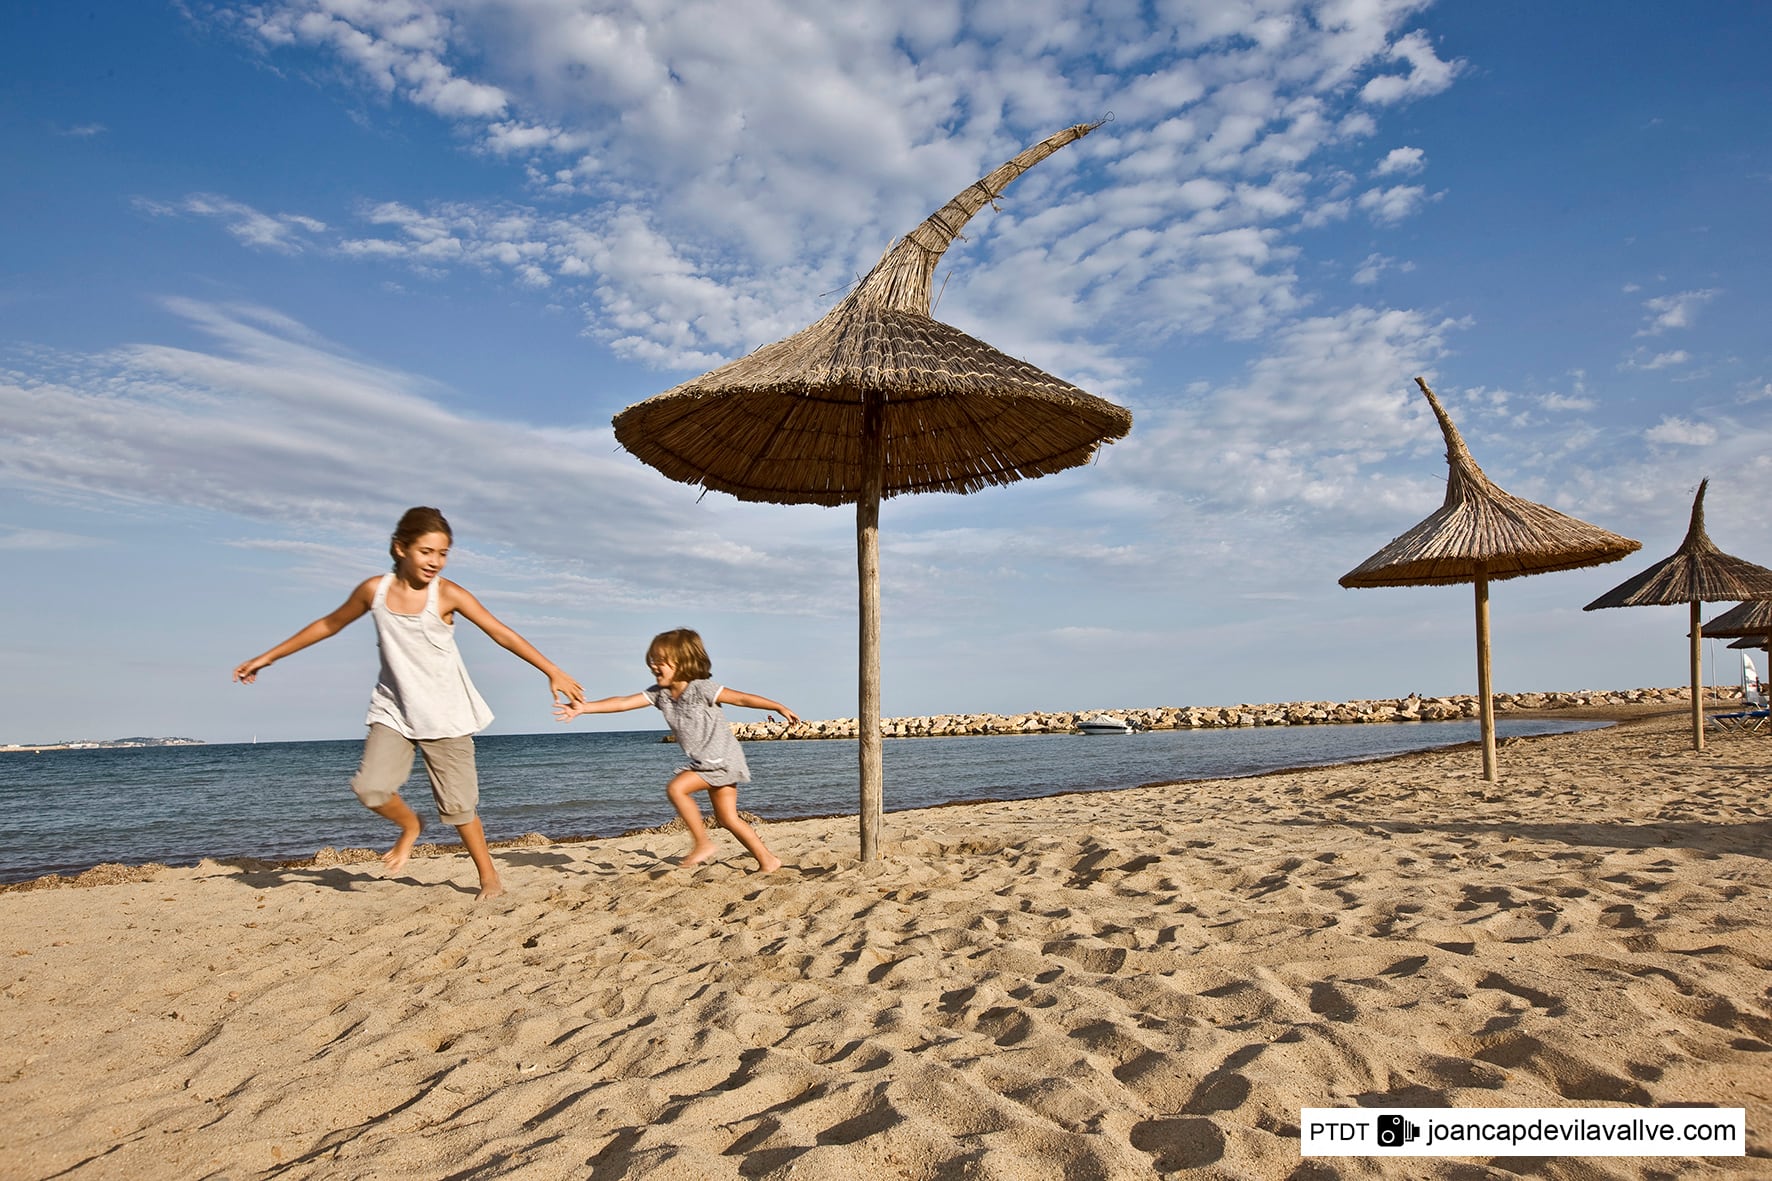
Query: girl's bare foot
(698, 854)
(768, 866)
(490, 890)
(395, 859)
(410, 826)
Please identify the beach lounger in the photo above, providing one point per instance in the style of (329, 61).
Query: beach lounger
(1745, 721)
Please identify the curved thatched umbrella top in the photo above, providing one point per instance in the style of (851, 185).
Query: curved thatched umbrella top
(1751, 619)
(1481, 531)
(1698, 572)
(784, 424)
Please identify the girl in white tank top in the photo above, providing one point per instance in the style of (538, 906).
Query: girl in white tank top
(424, 690)
(423, 700)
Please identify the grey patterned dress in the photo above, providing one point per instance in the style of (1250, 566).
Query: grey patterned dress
(703, 732)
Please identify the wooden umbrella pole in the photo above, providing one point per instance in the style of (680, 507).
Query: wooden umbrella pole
(867, 547)
(1485, 695)
(1697, 682)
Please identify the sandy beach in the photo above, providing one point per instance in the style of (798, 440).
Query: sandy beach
(1109, 985)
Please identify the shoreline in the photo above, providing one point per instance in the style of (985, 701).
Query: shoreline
(1612, 707)
(1144, 982)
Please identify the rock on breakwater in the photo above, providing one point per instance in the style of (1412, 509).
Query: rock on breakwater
(1412, 708)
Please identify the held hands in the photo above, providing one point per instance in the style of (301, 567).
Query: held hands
(566, 711)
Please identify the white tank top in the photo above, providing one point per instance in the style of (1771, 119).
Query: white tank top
(424, 690)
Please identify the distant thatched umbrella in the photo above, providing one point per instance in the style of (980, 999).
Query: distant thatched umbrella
(873, 400)
(1761, 643)
(1479, 535)
(1697, 572)
(1751, 620)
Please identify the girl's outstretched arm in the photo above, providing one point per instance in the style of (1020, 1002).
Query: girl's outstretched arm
(603, 705)
(455, 597)
(752, 701)
(329, 625)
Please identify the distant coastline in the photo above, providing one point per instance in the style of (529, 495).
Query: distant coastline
(97, 744)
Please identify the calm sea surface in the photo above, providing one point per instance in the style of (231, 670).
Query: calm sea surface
(69, 810)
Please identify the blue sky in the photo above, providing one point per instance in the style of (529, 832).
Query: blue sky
(274, 272)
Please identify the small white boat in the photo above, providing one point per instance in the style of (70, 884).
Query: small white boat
(1104, 724)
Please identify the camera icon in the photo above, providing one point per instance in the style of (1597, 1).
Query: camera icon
(1394, 1131)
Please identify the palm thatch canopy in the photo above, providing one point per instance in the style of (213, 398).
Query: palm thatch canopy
(1697, 572)
(785, 423)
(1478, 535)
(1481, 530)
(1751, 619)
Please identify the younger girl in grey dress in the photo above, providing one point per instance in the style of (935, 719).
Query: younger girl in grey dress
(690, 702)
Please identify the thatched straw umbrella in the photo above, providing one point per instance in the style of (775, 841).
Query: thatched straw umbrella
(1751, 620)
(1481, 535)
(1696, 572)
(873, 400)
(1761, 642)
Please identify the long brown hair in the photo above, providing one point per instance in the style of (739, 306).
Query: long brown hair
(414, 524)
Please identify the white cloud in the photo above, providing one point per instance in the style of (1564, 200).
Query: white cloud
(1389, 206)
(397, 46)
(1665, 360)
(1401, 162)
(519, 138)
(1326, 213)
(1427, 74)
(1671, 312)
(1374, 265)
(1681, 432)
(286, 233)
(1573, 403)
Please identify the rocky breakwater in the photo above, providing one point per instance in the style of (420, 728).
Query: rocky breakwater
(1412, 708)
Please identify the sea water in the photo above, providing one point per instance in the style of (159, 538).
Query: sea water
(68, 810)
